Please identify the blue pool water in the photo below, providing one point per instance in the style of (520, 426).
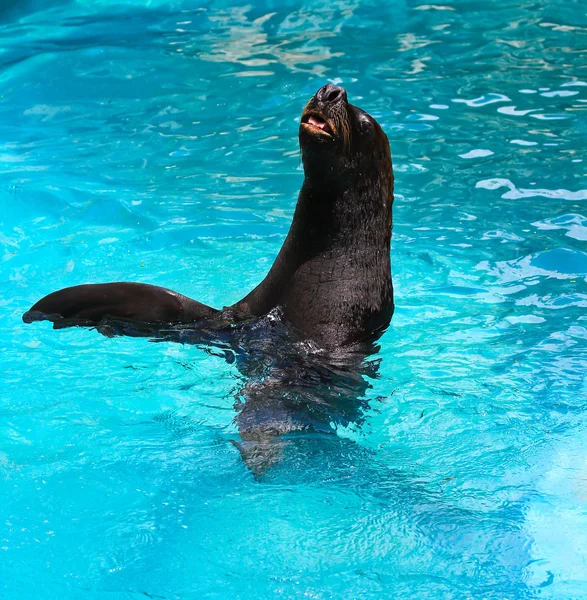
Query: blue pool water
(157, 142)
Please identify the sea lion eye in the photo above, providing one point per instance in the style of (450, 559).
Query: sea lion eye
(366, 126)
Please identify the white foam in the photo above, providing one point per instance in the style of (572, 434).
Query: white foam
(516, 193)
(483, 100)
(477, 153)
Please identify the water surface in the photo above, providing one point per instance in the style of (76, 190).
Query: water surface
(157, 142)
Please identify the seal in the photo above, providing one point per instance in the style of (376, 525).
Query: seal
(330, 284)
(332, 276)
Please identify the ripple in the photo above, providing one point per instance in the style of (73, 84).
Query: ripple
(244, 41)
(157, 141)
(501, 235)
(512, 111)
(477, 153)
(574, 224)
(484, 100)
(458, 290)
(523, 142)
(559, 511)
(526, 319)
(559, 263)
(551, 117)
(559, 93)
(515, 193)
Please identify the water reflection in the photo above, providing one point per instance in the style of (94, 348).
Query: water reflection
(290, 388)
(137, 146)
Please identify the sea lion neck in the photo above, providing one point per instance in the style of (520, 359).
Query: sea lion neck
(338, 216)
(332, 276)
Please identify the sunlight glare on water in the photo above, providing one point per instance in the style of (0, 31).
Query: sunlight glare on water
(157, 142)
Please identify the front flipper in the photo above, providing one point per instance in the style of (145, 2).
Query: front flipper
(89, 305)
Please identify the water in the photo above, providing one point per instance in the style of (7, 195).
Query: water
(156, 142)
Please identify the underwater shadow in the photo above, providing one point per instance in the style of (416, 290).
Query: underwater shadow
(290, 387)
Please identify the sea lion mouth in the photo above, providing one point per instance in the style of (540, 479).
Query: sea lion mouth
(316, 123)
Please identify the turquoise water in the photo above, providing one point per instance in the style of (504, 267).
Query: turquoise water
(157, 142)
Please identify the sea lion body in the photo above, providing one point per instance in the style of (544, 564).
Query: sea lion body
(330, 285)
(332, 277)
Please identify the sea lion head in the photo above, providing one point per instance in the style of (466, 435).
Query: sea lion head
(341, 141)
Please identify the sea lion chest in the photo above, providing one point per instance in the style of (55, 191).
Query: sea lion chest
(336, 297)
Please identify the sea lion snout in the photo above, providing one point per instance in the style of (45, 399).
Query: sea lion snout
(339, 141)
(325, 114)
(331, 94)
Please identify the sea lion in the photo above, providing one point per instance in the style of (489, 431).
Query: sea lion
(332, 277)
(301, 337)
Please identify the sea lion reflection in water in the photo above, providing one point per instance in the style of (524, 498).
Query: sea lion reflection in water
(302, 336)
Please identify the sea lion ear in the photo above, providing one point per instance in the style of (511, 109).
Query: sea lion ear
(365, 125)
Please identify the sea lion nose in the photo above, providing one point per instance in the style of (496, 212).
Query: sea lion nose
(330, 94)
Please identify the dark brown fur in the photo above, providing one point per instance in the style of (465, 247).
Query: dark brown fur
(332, 277)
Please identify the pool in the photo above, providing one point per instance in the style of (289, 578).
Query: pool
(157, 142)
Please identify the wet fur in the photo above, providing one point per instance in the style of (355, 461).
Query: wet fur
(329, 287)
